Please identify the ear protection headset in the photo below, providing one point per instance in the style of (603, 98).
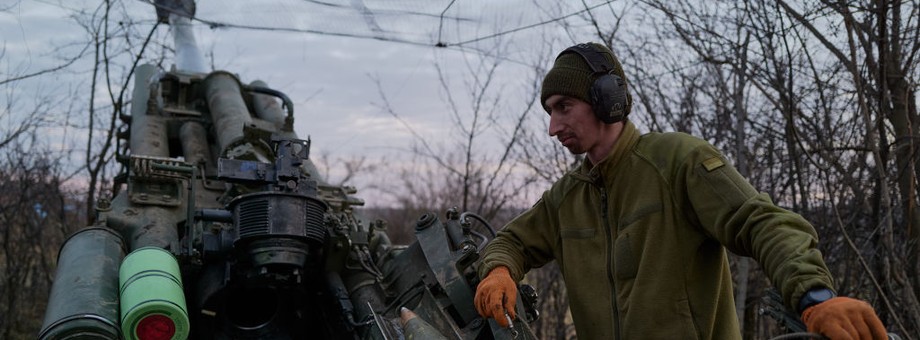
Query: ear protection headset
(609, 96)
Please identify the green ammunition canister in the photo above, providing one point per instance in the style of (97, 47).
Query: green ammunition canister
(152, 299)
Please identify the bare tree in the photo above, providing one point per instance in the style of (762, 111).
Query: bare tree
(474, 178)
(880, 60)
(35, 217)
(818, 114)
(114, 38)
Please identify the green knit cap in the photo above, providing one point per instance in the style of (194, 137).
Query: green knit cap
(571, 76)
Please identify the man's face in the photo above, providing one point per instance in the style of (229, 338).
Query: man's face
(572, 122)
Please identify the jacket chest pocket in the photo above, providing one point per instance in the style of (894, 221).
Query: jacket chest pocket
(583, 251)
(630, 241)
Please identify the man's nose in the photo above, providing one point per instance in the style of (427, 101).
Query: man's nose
(555, 127)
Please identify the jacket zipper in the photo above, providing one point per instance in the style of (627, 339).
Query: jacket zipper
(613, 285)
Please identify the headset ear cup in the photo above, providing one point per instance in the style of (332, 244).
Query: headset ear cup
(609, 98)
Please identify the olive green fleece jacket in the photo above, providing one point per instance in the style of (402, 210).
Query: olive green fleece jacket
(641, 237)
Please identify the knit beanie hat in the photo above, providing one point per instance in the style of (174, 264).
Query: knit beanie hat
(571, 76)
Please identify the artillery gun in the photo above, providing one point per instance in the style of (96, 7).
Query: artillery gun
(221, 227)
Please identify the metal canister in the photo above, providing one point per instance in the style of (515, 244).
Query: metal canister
(84, 296)
(152, 299)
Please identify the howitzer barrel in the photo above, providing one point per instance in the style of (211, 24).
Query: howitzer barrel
(219, 195)
(84, 297)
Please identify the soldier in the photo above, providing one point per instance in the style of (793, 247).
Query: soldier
(640, 229)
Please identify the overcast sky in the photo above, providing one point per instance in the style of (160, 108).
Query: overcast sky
(329, 78)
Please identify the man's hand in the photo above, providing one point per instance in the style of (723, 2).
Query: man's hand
(843, 318)
(497, 294)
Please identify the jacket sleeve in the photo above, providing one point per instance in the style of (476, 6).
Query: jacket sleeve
(746, 222)
(524, 243)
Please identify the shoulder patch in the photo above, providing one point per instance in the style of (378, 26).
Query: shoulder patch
(713, 163)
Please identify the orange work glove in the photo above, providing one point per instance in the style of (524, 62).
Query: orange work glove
(843, 318)
(497, 294)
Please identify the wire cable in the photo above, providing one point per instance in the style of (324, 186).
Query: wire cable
(441, 23)
(495, 35)
(464, 215)
(217, 24)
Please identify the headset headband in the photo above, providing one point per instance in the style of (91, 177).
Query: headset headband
(592, 56)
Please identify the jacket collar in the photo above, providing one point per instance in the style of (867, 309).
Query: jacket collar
(628, 139)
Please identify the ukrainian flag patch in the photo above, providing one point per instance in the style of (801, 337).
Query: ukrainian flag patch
(713, 163)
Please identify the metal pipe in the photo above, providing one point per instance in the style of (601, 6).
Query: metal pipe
(145, 226)
(228, 110)
(188, 56)
(267, 107)
(195, 148)
(148, 133)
